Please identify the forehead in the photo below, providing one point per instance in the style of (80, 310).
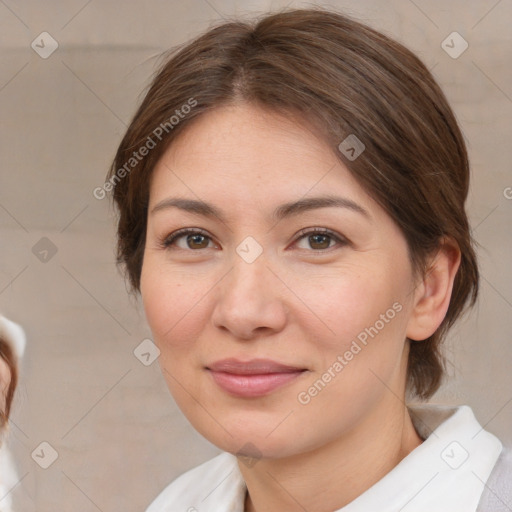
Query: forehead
(249, 153)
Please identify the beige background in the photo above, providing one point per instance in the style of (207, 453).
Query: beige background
(119, 436)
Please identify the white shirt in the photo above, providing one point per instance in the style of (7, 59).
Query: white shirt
(446, 473)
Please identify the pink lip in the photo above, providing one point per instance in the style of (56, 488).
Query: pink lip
(257, 377)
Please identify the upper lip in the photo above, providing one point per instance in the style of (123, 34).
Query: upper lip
(251, 367)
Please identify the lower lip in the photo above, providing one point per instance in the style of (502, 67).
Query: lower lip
(250, 386)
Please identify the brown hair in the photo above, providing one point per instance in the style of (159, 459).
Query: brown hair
(341, 78)
(7, 354)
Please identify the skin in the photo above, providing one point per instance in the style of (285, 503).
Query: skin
(301, 302)
(5, 379)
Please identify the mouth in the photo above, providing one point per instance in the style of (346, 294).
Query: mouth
(254, 378)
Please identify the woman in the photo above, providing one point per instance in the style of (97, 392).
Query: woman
(8, 378)
(291, 198)
(12, 345)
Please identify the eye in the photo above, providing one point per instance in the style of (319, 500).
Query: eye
(320, 239)
(192, 239)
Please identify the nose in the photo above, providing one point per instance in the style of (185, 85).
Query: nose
(249, 301)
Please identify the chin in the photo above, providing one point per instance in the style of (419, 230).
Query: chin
(248, 439)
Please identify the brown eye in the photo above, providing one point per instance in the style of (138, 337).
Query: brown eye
(320, 239)
(187, 239)
(197, 241)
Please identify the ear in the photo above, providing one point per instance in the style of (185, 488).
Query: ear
(432, 294)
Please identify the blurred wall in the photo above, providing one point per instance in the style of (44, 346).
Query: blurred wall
(109, 419)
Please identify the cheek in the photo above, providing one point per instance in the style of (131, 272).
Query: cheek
(345, 306)
(360, 316)
(174, 304)
(174, 307)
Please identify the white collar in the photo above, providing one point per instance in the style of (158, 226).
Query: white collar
(446, 473)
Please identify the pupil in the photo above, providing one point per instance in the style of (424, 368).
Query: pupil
(196, 239)
(317, 237)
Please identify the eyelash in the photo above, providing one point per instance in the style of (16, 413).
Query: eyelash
(170, 239)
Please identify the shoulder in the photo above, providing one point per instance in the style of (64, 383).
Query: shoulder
(194, 487)
(502, 471)
(497, 495)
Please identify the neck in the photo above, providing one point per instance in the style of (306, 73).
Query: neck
(332, 476)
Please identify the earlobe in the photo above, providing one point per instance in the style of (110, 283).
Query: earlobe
(433, 293)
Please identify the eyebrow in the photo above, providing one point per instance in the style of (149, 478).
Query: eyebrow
(281, 212)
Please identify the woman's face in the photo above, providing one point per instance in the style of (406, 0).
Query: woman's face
(274, 340)
(5, 380)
